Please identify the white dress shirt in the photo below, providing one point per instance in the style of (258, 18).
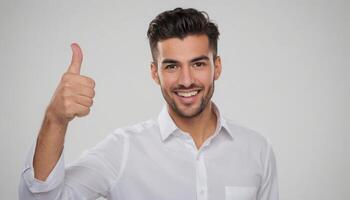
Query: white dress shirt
(155, 160)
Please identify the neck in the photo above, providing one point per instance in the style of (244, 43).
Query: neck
(199, 127)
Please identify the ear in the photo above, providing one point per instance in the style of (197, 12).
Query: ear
(217, 67)
(154, 72)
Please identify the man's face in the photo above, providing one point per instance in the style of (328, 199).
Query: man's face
(186, 71)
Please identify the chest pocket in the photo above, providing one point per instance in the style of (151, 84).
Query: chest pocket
(240, 193)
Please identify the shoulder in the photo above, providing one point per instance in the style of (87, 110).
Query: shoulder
(244, 135)
(255, 144)
(118, 140)
(140, 129)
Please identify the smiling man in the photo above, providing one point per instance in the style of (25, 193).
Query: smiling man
(190, 151)
(185, 68)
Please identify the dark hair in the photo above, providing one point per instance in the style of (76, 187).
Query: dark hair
(180, 23)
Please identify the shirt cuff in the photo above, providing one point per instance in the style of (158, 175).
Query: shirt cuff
(55, 178)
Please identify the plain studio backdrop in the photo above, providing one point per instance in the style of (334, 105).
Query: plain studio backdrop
(285, 75)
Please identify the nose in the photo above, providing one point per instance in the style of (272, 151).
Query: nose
(186, 77)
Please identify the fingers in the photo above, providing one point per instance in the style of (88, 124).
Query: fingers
(82, 90)
(83, 101)
(75, 105)
(76, 109)
(77, 90)
(83, 112)
(77, 59)
(78, 79)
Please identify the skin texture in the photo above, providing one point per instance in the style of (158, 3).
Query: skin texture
(184, 65)
(73, 97)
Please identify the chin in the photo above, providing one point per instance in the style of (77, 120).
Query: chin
(188, 112)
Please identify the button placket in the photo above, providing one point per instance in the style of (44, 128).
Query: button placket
(201, 177)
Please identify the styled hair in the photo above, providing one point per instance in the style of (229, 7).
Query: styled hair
(179, 23)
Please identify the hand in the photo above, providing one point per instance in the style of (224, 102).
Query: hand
(74, 94)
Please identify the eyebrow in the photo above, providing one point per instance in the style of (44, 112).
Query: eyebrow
(172, 61)
(199, 58)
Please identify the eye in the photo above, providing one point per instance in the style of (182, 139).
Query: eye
(170, 67)
(198, 64)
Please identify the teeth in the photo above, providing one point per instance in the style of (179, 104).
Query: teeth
(187, 94)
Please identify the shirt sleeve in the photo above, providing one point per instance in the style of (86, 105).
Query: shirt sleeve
(90, 177)
(269, 186)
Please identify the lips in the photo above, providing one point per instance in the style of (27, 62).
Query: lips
(187, 93)
(187, 96)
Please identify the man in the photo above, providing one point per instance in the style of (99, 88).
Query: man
(189, 152)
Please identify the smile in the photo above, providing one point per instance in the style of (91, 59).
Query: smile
(187, 93)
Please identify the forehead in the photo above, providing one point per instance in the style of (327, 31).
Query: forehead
(184, 49)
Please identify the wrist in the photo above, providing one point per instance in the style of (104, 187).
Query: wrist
(53, 119)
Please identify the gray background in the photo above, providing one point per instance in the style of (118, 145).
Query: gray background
(285, 74)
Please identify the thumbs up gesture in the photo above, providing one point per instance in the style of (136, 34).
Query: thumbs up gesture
(74, 94)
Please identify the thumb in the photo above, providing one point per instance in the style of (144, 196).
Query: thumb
(77, 59)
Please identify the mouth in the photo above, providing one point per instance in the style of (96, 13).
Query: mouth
(187, 96)
(187, 93)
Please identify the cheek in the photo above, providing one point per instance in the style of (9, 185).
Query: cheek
(206, 78)
(167, 81)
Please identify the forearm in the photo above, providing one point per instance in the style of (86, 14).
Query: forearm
(44, 172)
(49, 146)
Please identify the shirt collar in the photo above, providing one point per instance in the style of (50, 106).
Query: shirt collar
(166, 123)
(221, 121)
(167, 126)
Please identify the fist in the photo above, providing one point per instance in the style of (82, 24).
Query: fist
(74, 94)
